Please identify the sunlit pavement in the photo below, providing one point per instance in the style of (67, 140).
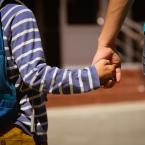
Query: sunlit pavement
(116, 124)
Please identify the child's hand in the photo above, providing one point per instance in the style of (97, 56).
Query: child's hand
(106, 70)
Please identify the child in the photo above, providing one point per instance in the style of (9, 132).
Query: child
(34, 79)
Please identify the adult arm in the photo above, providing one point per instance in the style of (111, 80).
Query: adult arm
(116, 12)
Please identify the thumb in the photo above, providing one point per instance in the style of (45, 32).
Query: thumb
(95, 59)
(107, 62)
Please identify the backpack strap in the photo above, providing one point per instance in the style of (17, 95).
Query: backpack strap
(8, 99)
(3, 60)
(1, 39)
(5, 85)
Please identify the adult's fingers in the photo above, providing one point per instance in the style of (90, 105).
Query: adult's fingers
(118, 74)
(109, 84)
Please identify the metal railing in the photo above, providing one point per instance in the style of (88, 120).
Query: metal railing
(130, 40)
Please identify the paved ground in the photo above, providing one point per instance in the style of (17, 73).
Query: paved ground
(118, 124)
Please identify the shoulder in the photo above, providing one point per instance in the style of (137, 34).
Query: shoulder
(16, 15)
(14, 10)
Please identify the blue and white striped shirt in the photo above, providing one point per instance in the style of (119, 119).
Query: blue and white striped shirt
(32, 77)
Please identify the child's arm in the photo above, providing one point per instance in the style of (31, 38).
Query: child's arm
(29, 58)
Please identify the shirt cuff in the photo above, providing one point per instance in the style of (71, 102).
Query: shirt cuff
(95, 77)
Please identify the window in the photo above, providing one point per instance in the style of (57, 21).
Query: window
(82, 11)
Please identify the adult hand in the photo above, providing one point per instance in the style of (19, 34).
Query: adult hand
(110, 54)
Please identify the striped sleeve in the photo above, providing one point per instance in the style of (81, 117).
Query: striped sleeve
(29, 57)
(143, 54)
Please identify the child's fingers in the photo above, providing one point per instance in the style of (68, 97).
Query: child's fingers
(109, 72)
(115, 72)
(109, 84)
(107, 62)
(111, 68)
(104, 62)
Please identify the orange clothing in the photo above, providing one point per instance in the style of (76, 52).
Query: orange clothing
(16, 136)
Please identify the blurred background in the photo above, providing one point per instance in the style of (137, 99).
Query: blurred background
(69, 31)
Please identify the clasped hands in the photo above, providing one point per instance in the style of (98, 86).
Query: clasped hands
(108, 66)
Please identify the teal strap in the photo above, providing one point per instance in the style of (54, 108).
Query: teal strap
(2, 52)
(1, 36)
(5, 85)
